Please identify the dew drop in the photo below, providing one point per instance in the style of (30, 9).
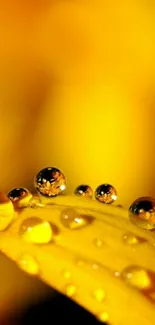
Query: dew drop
(36, 230)
(99, 295)
(66, 274)
(95, 266)
(142, 213)
(70, 218)
(20, 197)
(50, 182)
(84, 190)
(70, 290)
(137, 277)
(98, 242)
(116, 274)
(131, 239)
(28, 264)
(103, 316)
(35, 202)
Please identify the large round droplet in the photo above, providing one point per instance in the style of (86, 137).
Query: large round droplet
(36, 230)
(137, 277)
(70, 218)
(20, 197)
(106, 193)
(50, 182)
(84, 190)
(6, 211)
(28, 264)
(142, 213)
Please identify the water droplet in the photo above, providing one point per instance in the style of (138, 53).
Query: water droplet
(28, 264)
(103, 317)
(36, 230)
(116, 273)
(136, 277)
(50, 182)
(35, 202)
(84, 190)
(70, 290)
(106, 193)
(71, 219)
(131, 239)
(95, 266)
(66, 274)
(20, 197)
(6, 211)
(99, 295)
(142, 213)
(98, 242)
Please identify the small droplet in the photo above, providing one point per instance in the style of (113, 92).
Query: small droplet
(98, 242)
(36, 230)
(99, 295)
(66, 274)
(131, 239)
(35, 202)
(71, 219)
(106, 193)
(95, 266)
(136, 277)
(70, 290)
(103, 317)
(28, 264)
(84, 190)
(6, 211)
(116, 273)
(50, 182)
(142, 213)
(20, 197)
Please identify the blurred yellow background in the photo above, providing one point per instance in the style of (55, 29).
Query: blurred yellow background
(77, 92)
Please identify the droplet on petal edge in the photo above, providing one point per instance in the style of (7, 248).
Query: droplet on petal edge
(70, 290)
(103, 317)
(36, 230)
(20, 197)
(142, 213)
(106, 193)
(84, 190)
(28, 264)
(50, 182)
(71, 219)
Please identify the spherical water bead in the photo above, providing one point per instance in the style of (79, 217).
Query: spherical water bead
(137, 277)
(20, 197)
(28, 264)
(70, 218)
(106, 193)
(36, 230)
(84, 190)
(142, 213)
(50, 182)
(6, 211)
(35, 202)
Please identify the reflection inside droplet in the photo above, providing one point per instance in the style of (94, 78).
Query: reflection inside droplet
(35, 202)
